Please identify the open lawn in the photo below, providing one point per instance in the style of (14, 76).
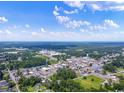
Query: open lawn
(31, 89)
(34, 89)
(41, 56)
(120, 69)
(4, 88)
(89, 82)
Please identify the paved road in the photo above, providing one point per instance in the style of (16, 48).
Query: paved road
(13, 78)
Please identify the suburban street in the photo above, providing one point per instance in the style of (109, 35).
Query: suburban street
(13, 78)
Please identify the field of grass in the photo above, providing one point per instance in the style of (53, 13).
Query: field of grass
(31, 89)
(120, 69)
(41, 56)
(90, 82)
(4, 88)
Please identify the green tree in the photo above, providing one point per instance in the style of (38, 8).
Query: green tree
(1, 75)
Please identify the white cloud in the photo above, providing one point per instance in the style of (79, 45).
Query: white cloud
(62, 36)
(67, 21)
(97, 28)
(107, 24)
(8, 31)
(76, 4)
(3, 19)
(62, 19)
(14, 26)
(27, 25)
(56, 8)
(106, 6)
(1, 31)
(96, 7)
(118, 1)
(76, 24)
(83, 30)
(42, 30)
(71, 12)
(117, 8)
(110, 23)
(71, 23)
(23, 31)
(34, 33)
(55, 13)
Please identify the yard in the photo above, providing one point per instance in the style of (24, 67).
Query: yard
(89, 82)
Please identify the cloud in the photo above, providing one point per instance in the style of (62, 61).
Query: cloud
(56, 8)
(42, 30)
(1, 31)
(34, 33)
(67, 21)
(71, 23)
(96, 7)
(118, 1)
(83, 30)
(76, 4)
(117, 8)
(60, 36)
(76, 24)
(27, 25)
(8, 31)
(64, 36)
(62, 19)
(3, 19)
(75, 11)
(106, 6)
(110, 23)
(107, 24)
(55, 13)
(97, 28)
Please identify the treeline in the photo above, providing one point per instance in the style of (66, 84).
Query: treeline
(116, 63)
(62, 57)
(24, 82)
(1, 75)
(119, 86)
(33, 62)
(93, 52)
(116, 87)
(63, 81)
(2, 66)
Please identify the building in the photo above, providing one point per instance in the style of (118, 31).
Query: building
(2, 58)
(3, 83)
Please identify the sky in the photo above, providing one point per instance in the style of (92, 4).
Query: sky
(61, 20)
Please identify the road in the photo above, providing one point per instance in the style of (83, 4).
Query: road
(13, 78)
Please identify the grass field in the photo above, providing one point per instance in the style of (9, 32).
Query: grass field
(31, 89)
(41, 56)
(90, 82)
(34, 89)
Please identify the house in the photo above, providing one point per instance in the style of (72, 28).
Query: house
(3, 83)
(2, 57)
